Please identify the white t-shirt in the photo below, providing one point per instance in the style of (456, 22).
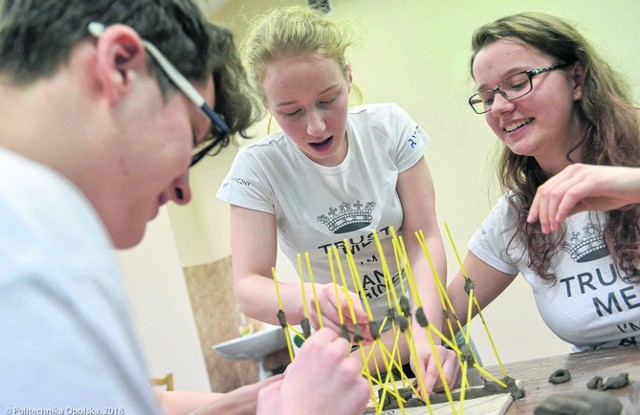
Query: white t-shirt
(589, 306)
(317, 207)
(66, 341)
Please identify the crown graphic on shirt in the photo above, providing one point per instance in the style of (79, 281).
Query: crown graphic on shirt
(587, 245)
(348, 217)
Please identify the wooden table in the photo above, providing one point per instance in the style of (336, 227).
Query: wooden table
(583, 367)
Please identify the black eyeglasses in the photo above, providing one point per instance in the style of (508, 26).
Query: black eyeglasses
(515, 86)
(220, 130)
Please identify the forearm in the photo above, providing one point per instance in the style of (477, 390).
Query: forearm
(184, 402)
(423, 273)
(258, 299)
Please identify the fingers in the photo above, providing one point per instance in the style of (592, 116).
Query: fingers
(339, 311)
(582, 187)
(268, 399)
(561, 196)
(433, 381)
(323, 365)
(451, 370)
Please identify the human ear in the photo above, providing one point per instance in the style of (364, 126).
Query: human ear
(120, 56)
(577, 77)
(349, 76)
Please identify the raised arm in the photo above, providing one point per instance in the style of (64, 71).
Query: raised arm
(582, 187)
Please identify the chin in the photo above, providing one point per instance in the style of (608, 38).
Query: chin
(128, 239)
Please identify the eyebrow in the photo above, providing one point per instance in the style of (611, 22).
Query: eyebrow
(512, 71)
(324, 91)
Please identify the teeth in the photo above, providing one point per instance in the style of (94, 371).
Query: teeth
(516, 125)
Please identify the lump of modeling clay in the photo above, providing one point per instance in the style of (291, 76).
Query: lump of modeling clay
(560, 376)
(616, 382)
(595, 383)
(580, 403)
(516, 392)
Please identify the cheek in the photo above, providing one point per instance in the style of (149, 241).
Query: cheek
(337, 118)
(494, 124)
(176, 136)
(293, 127)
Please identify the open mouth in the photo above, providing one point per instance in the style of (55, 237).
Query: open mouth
(322, 144)
(516, 125)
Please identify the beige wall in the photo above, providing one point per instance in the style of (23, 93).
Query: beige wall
(415, 53)
(161, 308)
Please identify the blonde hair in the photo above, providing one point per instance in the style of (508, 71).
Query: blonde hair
(294, 31)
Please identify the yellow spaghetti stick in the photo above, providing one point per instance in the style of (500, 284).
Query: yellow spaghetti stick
(357, 334)
(475, 301)
(357, 282)
(281, 316)
(442, 291)
(386, 273)
(365, 367)
(306, 328)
(375, 330)
(390, 287)
(463, 388)
(407, 331)
(343, 328)
(305, 309)
(313, 287)
(396, 253)
(412, 350)
(427, 327)
(373, 326)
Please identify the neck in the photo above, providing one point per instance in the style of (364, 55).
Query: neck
(38, 121)
(567, 152)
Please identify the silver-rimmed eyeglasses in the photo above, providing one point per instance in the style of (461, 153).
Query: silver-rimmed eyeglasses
(515, 86)
(219, 129)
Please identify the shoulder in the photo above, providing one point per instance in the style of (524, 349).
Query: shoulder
(272, 150)
(501, 216)
(388, 110)
(386, 118)
(42, 209)
(273, 143)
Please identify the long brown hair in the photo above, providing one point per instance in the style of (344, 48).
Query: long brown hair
(611, 137)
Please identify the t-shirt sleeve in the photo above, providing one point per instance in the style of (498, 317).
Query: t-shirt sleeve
(246, 185)
(411, 139)
(491, 240)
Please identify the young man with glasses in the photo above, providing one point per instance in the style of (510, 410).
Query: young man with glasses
(98, 131)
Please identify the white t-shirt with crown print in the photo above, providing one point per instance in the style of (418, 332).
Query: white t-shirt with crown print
(318, 207)
(589, 306)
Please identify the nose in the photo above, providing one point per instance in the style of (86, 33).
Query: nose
(315, 124)
(500, 104)
(179, 191)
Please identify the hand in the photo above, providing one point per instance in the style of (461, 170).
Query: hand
(323, 379)
(329, 309)
(429, 368)
(582, 187)
(240, 401)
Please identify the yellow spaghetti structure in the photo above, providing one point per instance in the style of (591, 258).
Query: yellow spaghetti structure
(402, 323)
